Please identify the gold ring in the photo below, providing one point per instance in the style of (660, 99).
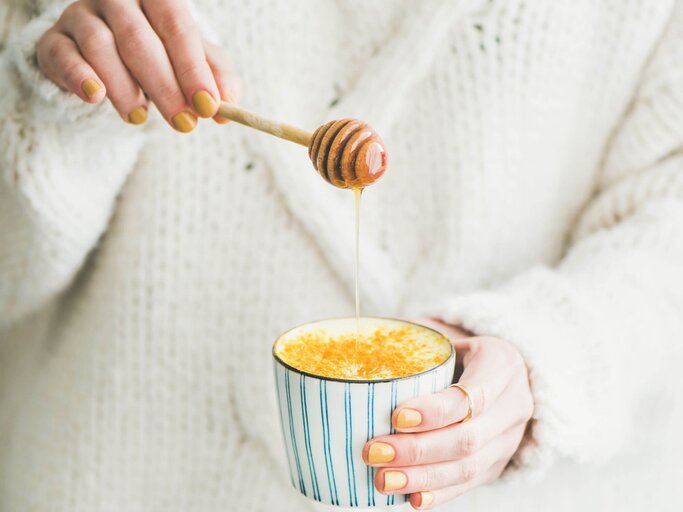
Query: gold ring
(470, 402)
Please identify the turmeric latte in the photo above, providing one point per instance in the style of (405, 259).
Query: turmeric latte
(379, 349)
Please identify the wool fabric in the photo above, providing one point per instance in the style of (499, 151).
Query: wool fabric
(534, 193)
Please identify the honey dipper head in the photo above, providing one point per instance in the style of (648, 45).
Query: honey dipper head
(348, 153)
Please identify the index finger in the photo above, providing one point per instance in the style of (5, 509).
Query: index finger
(173, 23)
(437, 410)
(484, 378)
(144, 55)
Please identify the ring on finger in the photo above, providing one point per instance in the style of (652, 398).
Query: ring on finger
(470, 401)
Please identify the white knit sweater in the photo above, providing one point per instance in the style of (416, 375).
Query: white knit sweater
(535, 193)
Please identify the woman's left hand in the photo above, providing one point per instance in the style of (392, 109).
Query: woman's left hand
(435, 456)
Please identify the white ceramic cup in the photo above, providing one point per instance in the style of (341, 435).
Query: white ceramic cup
(327, 421)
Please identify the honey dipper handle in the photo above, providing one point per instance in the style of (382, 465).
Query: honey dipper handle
(284, 131)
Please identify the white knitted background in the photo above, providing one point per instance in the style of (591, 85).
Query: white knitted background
(535, 192)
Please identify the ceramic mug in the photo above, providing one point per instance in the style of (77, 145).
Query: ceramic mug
(326, 421)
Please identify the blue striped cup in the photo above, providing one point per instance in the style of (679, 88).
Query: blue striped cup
(326, 421)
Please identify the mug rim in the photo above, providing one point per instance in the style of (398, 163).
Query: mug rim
(359, 381)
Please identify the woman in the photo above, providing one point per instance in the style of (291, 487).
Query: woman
(533, 208)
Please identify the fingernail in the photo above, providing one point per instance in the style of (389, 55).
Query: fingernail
(394, 480)
(184, 122)
(138, 116)
(204, 104)
(380, 452)
(426, 499)
(408, 418)
(90, 87)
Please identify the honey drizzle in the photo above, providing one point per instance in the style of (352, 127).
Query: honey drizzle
(356, 200)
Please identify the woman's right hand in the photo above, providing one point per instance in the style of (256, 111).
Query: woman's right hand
(131, 50)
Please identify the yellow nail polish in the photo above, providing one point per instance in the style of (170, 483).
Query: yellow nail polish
(90, 87)
(184, 122)
(394, 480)
(138, 116)
(426, 499)
(408, 418)
(380, 452)
(204, 104)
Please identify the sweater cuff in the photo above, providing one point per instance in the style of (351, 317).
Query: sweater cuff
(49, 101)
(541, 316)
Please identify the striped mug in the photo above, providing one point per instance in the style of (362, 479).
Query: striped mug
(326, 421)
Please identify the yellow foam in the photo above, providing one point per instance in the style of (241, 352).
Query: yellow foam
(383, 353)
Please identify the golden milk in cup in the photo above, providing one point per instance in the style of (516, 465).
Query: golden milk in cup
(337, 383)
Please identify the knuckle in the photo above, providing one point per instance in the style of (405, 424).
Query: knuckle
(95, 39)
(107, 8)
(441, 411)
(72, 75)
(53, 50)
(469, 469)
(468, 443)
(71, 11)
(168, 93)
(189, 74)
(133, 38)
(172, 26)
(413, 450)
(429, 478)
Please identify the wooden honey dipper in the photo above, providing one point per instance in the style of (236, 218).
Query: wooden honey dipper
(347, 153)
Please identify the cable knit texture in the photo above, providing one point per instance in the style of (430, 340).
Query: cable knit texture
(535, 193)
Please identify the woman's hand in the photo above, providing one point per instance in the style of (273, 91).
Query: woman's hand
(131, 50)
(436, 456)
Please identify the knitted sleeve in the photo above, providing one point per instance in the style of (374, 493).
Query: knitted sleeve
(62, 163)
(601, 331)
